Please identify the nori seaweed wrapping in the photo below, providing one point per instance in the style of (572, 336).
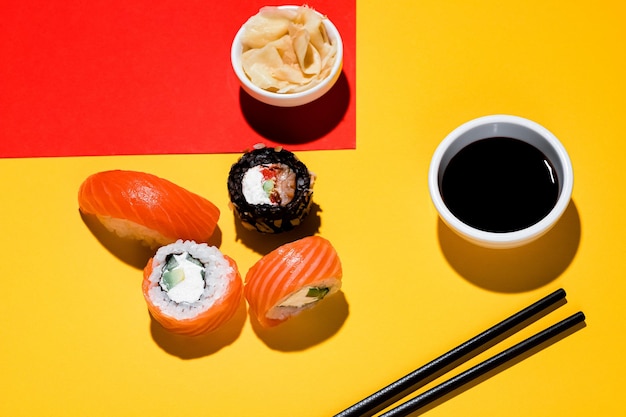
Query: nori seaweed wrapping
(268, 218)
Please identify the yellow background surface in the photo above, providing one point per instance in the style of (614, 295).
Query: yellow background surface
(75, 335)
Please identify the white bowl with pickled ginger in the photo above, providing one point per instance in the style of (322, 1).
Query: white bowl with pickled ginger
(287, 55)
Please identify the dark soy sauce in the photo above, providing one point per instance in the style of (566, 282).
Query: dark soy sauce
(500, 185)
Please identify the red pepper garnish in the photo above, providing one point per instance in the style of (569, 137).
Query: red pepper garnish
(268, 173)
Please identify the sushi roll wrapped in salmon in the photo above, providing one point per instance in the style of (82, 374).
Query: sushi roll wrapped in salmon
(191, 288)
(292, 278)
(145, 207)
(270, 189)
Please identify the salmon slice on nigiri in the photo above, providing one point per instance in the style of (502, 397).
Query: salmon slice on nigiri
(292, 278)
(148, 208)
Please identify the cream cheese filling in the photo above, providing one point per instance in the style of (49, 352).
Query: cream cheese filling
(185, 281)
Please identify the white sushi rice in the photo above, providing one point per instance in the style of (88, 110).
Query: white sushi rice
(127, 229)
(252, 187)
(284, 187)
(217, 269)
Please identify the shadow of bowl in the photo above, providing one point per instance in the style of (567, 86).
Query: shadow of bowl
(520, 269)
(300, 124)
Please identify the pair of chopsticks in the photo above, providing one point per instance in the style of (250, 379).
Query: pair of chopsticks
(406, 385)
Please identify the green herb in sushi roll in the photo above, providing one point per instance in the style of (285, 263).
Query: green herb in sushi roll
(270, 189)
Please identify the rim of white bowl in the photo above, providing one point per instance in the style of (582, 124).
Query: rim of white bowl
(235, 58)
(502, 239)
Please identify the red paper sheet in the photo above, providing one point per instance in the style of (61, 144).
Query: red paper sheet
(125, 77)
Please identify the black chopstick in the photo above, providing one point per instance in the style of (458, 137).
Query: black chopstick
(482, 368)
(421, 376)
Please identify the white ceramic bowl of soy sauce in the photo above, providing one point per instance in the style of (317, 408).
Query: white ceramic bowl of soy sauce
(500, 181)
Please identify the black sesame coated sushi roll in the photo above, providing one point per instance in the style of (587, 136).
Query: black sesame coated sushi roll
(270, 189)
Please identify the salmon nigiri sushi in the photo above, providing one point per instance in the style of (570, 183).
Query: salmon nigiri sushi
(292, 278)
(191, 288)
(148, 208)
